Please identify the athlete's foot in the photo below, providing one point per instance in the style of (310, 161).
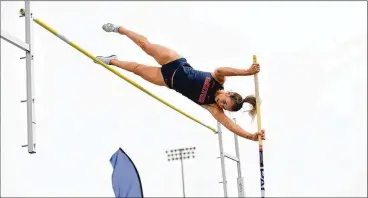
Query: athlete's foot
(107, 59)
(109, 27)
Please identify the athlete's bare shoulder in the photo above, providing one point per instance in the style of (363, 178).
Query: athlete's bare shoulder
(212, 108)
(219, 79)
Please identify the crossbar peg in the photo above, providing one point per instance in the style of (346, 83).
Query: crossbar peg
(26, 145)
(26, 100)
(25, 57)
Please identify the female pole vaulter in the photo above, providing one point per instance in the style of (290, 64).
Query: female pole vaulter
(204, 88)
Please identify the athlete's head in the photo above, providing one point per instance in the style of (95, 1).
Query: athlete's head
(232, 101)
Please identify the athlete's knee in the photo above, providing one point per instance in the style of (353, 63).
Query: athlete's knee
(138, 68)
(144, 44)
(153, 49)
(150, 49)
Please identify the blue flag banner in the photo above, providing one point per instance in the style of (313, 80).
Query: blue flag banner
(125, 177)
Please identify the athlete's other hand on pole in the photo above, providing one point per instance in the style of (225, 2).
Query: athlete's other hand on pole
(255, 135)
(254, 68)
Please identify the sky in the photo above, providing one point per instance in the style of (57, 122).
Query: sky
(313, 58)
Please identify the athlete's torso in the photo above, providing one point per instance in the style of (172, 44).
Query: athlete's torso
(198, 86)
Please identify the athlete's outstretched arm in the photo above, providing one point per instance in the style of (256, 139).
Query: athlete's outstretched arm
(230, 71)
(220, 116)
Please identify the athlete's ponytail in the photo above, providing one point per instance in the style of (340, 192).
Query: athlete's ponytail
(238, 102)
(253, 102)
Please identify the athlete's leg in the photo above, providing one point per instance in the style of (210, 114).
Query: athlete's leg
(151, 74)
(160, 53)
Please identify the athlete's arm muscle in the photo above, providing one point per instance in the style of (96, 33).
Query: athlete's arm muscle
(220, 116)
(220, 73)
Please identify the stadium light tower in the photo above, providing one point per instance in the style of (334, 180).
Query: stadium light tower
(181, 154)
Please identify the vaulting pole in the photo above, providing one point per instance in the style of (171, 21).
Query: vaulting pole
(259, 123)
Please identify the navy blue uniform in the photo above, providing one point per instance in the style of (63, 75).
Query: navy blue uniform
(198, 86)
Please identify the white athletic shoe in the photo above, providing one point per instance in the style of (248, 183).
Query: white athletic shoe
(109, 27)
(107, 59)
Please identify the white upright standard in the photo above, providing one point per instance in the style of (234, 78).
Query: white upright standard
(28, 48)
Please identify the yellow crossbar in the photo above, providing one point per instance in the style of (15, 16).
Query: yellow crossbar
(42, 24)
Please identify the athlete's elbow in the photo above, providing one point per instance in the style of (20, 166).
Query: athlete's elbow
(220, 71)
(229, 126)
